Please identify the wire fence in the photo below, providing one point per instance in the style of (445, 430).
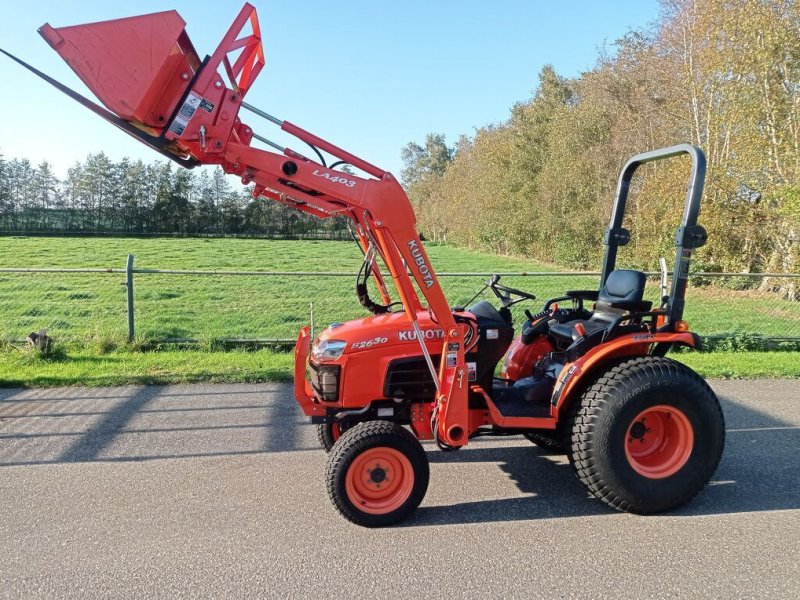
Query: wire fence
(103, 307)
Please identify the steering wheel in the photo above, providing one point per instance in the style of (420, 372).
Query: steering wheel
(504, 292)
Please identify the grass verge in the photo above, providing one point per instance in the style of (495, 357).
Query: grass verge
(23, 369)
(743, 365)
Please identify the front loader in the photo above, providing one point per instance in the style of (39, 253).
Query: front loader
(586, 375)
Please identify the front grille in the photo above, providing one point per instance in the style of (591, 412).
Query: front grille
(410, 379)
(324, 381)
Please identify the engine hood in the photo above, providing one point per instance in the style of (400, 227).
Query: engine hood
(392, 329)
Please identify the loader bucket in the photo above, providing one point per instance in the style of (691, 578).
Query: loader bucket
(139, 67)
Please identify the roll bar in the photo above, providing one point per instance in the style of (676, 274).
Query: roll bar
(689, 235)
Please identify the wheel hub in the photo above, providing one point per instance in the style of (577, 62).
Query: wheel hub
(379, 480)
(659, 441)
(377, 475)
(638, 429)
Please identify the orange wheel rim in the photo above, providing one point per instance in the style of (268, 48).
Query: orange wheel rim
(336, 431)
(659, 441)
(379, 480)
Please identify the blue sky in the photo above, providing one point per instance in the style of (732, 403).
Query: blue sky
(368, 76)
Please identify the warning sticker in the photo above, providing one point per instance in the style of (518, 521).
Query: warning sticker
(178, 126)
(185, 114)
(472, 369)
(683, 269)
(190, 105)
(492, 334)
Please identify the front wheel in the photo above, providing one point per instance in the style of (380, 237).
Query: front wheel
(648, 435)
(377, 474)
(328, 434)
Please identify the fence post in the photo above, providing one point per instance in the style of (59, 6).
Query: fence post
(129, 286)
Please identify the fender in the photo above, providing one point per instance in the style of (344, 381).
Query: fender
(576, 373)
(520, 358)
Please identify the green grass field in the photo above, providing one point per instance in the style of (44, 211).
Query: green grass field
(88, 310)
(86, 313)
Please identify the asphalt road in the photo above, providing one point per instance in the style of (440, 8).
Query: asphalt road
(217, 490)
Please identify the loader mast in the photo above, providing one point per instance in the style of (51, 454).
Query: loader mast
(155, 87)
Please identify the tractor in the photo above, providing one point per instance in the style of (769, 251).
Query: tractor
(586, 375)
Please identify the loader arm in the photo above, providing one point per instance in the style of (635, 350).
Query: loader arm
(148, 75)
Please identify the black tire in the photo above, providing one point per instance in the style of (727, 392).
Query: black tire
(328, 434)
(377, 437)
(609, 412)
(546, 440)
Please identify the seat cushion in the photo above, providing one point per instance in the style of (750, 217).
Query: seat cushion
(622, 285)
(564, 331)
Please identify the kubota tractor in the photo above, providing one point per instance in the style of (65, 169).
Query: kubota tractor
(587, 374)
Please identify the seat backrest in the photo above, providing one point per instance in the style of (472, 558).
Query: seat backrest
(622, 285)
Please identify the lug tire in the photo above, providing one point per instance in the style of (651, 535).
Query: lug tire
(648, 435)
(377, 474)
(547, 441)
(328, 434)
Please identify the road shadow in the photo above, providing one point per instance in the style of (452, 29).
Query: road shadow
(137, 423)
(759, 471)
(548, 489)
(7, 394)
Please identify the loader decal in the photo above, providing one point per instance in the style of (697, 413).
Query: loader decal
(335, 179)
(428, 334)
(423, 268)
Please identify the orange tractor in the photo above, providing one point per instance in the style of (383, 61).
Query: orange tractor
(587, 374)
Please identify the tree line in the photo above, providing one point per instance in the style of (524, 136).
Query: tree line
(99, 195)
(721, 74)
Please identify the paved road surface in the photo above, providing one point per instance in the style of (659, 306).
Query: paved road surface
(216, 490)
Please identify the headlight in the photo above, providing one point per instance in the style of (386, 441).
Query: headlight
(328, 349)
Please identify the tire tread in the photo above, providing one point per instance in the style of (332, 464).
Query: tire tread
(373, 433)
(597, 399)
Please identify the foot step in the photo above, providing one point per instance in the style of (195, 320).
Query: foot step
(511, 403)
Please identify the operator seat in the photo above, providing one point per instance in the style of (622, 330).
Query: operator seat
(621, 294)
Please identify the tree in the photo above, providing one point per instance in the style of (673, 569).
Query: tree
(721, 74)
(172, 209)
(46, 198)
(5, 194)
(100, 190)
(431, 159)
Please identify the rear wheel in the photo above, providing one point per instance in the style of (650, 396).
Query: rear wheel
(549, 441)
(648, 435)
(377, 474)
